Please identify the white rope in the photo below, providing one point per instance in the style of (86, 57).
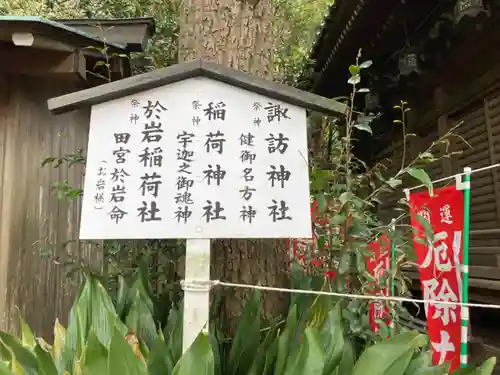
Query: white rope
(353, 296)
(456, 175)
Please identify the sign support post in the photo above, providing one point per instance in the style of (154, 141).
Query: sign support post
(465, 270)
(196, 287)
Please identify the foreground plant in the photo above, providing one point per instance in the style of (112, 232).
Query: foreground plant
(97, 342)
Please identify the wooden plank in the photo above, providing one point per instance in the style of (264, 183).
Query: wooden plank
(197, 68)
(493, 158)
(36, 62)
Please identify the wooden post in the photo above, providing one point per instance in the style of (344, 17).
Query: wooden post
(196, 287)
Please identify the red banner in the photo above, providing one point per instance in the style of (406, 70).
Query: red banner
(439, 259)
(378, 265)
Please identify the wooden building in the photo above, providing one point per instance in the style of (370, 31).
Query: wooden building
(442, 57)
(42, 59)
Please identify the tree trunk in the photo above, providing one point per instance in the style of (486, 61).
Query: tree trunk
(238, 34)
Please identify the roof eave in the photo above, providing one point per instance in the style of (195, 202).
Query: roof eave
(183, 71)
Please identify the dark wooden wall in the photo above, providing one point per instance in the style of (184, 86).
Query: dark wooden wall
(33, 221)
(466, 91)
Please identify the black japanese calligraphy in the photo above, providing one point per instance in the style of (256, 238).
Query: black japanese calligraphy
(153, 109)
(134, 103)
(247, 214)
(276, 112)
(183, 198)
(257, 121)
(215, 142)
(196, 105)
(247, 174)
(150, 184)
(152, 132)
(122, 137)
(247, 156)
(100, 184)
(278, 176)
(247, 192)
(256, 106)
(134, 117)
(196, 120)
(183, 214)
(99, 198)
(116, 214)
(151, 158)
(278, 211)
(217, 174)
(247, 139)
(119, 175)
(184, 183)
(185, 155)
(118, 193)
(215, 111)
(279, 143)
(148, 212)
(121, 154)
(185, 138)
(213, 211)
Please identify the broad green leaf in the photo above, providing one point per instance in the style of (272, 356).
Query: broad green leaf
(27, 338)
(364, 126)
(286, 342)
(198, 359)
(173, 333)
(309, 359)
(345, 262)
(322, 203)
(354, 70)
(4, 369)
(332, 337)
(394, 182)
(400, 365)
(59, 336)
(95, 358)
(259, 361)
(246, 340)
(355, 79)
(486, 368)
(24, 359)
(45, 361)
(379, 358)
(121, 359)
(422, 176)
(421, 364)
(366, 64)
(122, 296)
(338, 219)
(159, 359)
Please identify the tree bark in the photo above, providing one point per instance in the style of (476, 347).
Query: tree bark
(238, 34)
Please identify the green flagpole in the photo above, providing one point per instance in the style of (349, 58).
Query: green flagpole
(393, 269)
(465, 270)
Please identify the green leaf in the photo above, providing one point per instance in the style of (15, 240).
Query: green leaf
(122, 296)
(364, 126)
(198, 360)
(159, 359)
(322, 203)
(121, 359)
(309, 359)
(332, 337)
(285, 342)
(27, 338)
(354, 80)
(354, 70)
(421, 176)
(379, 358)
(345, 262)
(366, 64)
(338, 219)
(25, 359)
(394, 183)
(259, 361)
(95, 358)
(246, 341)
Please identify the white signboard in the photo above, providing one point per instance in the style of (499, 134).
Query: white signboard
(196, 159)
